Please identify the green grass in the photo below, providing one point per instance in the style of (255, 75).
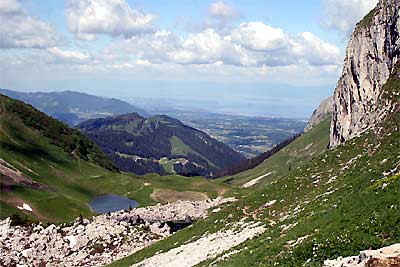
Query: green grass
(307, 147)
(179, 147)
(367, 20)
(182, 149)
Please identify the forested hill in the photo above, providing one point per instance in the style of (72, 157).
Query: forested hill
(159, 144)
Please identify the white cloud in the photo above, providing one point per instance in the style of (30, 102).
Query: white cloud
(221, 10)
(18, 29)
(343, 15)
(10, 6)
(259, 37)
(249, 45)
(221, 15)
(316, 51)
(88, 18)
(68, 55)
(206, 47)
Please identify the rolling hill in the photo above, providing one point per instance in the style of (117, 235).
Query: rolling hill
(158, 144)
(56, 170)
(74, 107)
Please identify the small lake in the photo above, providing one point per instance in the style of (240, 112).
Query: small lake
(111, 203)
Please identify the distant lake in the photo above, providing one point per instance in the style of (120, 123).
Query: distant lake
(111, 203)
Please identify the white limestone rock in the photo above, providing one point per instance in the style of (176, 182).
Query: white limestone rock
(371, 55)
(387, 256)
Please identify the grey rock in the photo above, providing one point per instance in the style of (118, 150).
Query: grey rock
(386, 256)
(323, 112)
(371, 55)
(100, 240)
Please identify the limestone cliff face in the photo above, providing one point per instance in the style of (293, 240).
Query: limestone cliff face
(323, 112)
(371, 55)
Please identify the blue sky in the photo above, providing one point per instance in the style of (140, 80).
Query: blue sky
(237, 52)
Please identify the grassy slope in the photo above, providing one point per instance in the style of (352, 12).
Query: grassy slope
(180, 148)
(344, 201)
(59, 134)
(305, 148)
(73, 181)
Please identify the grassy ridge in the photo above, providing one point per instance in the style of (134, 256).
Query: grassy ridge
(59, 134)
(308, 146)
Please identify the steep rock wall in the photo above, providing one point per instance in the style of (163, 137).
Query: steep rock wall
(371, 55)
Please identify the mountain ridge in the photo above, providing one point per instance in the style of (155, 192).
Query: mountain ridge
(321, 113)
(74, 107)
(158, 144)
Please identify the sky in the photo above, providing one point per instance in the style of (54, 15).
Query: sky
(254, 57)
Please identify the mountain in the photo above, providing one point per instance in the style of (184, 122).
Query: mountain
(158, 144)
(50, 172)
(322, 212)
(371, 56)
(323, 112)
(343, 201)
(74, 107)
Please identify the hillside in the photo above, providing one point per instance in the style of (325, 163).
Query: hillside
(341, 202)
(302, 150)
(158, 144)
(74, 107)
(55, 171)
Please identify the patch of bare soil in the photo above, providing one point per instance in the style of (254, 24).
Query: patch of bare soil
(168, 195)
(10, 173)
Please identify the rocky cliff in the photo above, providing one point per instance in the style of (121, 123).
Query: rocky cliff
(323, 112)
(371, 55)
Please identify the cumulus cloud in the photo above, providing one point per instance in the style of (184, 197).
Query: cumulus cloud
(18, 29)
(343, 15)
(260, 37)
(315, 51)
(252, 44)
(88, 18)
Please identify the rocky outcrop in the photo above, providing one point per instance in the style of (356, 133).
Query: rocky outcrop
(371, 55)
(99, 240)
(323, 112)
(384, 257)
